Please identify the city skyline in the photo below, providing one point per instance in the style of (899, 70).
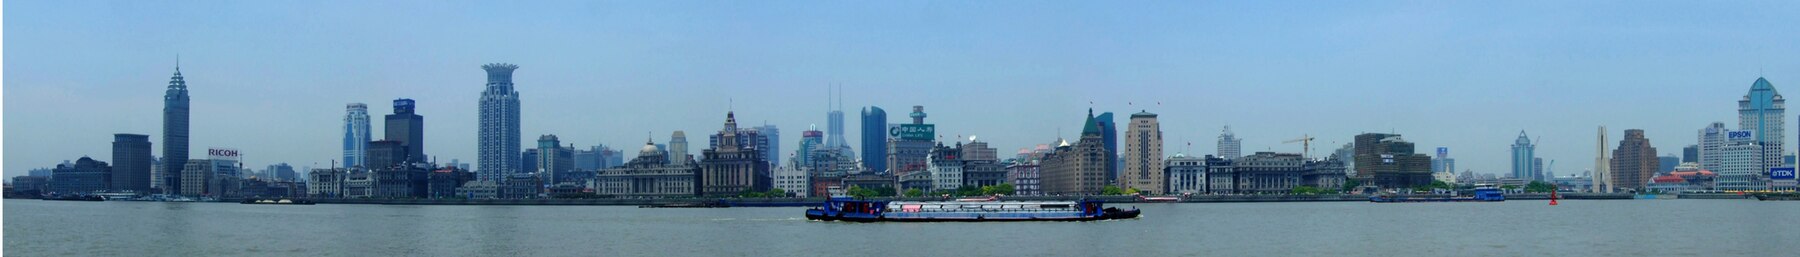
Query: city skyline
(1552, 81)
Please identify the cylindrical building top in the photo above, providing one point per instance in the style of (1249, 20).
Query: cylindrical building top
(499, 72)
(918, 114)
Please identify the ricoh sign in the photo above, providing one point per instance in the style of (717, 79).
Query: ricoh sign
(222, 153)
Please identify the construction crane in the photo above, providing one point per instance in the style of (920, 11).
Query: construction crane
(1305, 145)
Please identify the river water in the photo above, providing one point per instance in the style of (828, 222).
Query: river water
(1513, 228)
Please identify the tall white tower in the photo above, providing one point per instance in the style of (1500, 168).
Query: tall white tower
(1602, 170)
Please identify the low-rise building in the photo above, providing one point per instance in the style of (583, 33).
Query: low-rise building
(980, 173)
(650, 174)
(1271, 173)
(359, 185)
(793, 180)
(1024, 177)
(442, 183)
(325, 183)
(85, 176)
(1187, 174)
(482, 189)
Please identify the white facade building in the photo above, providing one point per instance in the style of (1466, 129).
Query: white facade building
(1187, 174)
(794, 180)
(945, 175)
(1712, 142)
(1741, 167)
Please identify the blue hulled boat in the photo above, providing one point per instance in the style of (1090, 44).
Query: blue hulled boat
(1482, 194)
(847, 209)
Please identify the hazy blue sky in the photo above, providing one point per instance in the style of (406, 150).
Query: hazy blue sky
(272, 78)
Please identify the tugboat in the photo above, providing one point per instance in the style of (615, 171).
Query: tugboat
(847, 209)
(1482, 194)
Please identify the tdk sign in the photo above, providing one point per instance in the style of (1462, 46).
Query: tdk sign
(1781, 173)
(1735, 135)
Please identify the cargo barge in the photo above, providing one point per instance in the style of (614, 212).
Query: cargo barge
(846, 209)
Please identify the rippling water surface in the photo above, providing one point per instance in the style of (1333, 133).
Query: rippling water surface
(1514, 228)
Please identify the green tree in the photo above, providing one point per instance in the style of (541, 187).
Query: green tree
(860, 192)
(1001, 189)
(914, 192)
(1131, 191)
(1350, 185)
(777, 192)
(1111, 190)
(1441, 185)
(1539, 187)
(1305, 190)
(968, 191)
(884, 191)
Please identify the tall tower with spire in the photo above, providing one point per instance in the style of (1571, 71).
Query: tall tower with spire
(1602, 165)
(498, 138)
(1523, 155)
(834, 132)
(175, 130)
(1762, 110)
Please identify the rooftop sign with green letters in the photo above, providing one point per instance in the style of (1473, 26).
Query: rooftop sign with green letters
(922, 132)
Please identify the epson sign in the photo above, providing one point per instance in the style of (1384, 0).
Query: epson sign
(1736, 135)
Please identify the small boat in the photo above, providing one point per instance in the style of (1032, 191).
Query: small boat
(283, 201)
(1482, 194)
(686, 205)
(846, 209)
(1159, 199)
(1777, 196)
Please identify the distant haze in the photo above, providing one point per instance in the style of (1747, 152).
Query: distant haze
(272, 78)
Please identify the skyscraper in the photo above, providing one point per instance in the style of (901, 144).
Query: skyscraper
(874, 139)
(909, 144)
(553, 160)
(809, 140)
(1522, 158)
(407, 127)
(1763, 110)
(678, 148)
(1230, 147)
(1667, 163)
(356, 134)
(769, 143)
(1109, 135)
(1634, 162)
(1691, 153)
(498, 138)
(175, 131)
(1143, 155)
(1080, 168)
(1712, 144)
(131, 163)
(834, 128)
(385, 154)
